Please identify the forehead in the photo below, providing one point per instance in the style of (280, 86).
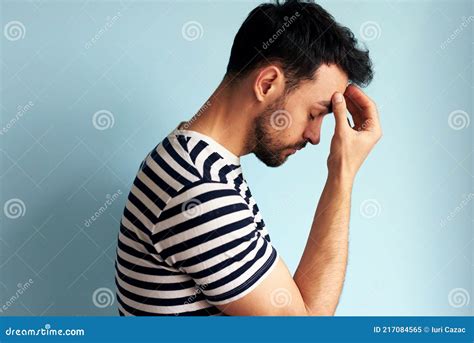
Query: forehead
(328, 79)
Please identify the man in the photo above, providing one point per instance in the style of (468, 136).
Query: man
(192, 240)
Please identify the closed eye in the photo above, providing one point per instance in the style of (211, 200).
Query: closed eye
(311, 117)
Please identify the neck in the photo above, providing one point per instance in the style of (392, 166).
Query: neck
(225, 118)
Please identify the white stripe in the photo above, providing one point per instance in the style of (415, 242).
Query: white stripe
(193, 209)
(153, 186)
(175, 165)
(209, 245)
(150, 205)
(244, 277)
(155, 167)
(142, 235)
(232, 267)
(164, 309)
(139, 215)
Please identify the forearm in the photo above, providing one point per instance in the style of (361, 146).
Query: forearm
(320, 274)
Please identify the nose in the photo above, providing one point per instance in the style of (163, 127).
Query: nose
(312, 136)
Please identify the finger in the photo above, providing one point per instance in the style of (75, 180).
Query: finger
(361, 106)
(339, 109)
(358, 96)
(355, 112)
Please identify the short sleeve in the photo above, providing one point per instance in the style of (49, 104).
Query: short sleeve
(208, 232)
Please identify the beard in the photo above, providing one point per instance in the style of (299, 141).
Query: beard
(269, 132)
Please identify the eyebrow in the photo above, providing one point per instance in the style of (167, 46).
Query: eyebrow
(326, 104)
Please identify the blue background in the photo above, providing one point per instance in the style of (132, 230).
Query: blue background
(411, 237)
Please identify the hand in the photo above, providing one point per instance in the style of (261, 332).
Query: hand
(351, 145)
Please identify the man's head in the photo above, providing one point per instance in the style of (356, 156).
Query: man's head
(294, 56)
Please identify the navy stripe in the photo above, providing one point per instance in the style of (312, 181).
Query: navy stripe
(160, 301)
(172, 152)
(183, 141)
(238, 182)
(191, 223)
(208, 163)
(133, 236)
(224, 264)
(200, 146)
(175, 286)
(195, 241)
(223, 173)
(209, 311)
(146, 270)
(201, 198)
(213, 252)
(138, 254)
(135, 221)
(236, 273)
(158, 181)
(149, 193)
(249, 282)
(142, 208)
(167, 168)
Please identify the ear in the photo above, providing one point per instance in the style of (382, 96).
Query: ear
(269, 83)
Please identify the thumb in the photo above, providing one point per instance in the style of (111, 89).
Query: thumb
(340, 111)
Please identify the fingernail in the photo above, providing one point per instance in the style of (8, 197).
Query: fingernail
(337, 97)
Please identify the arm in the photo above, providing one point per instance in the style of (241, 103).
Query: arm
(321, 271)
(317, 284)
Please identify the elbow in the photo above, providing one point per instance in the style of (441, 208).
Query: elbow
(319, 311)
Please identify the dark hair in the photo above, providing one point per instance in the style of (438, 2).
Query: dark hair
(300, 36)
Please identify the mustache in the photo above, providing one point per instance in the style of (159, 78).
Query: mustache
(299, 146)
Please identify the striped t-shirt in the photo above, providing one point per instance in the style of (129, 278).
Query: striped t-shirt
(191, 235)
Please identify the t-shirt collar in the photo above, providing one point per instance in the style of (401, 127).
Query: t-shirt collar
(220, 149)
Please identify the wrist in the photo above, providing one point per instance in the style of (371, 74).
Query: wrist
(340, 177)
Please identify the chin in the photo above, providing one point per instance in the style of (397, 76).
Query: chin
(271, 161)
